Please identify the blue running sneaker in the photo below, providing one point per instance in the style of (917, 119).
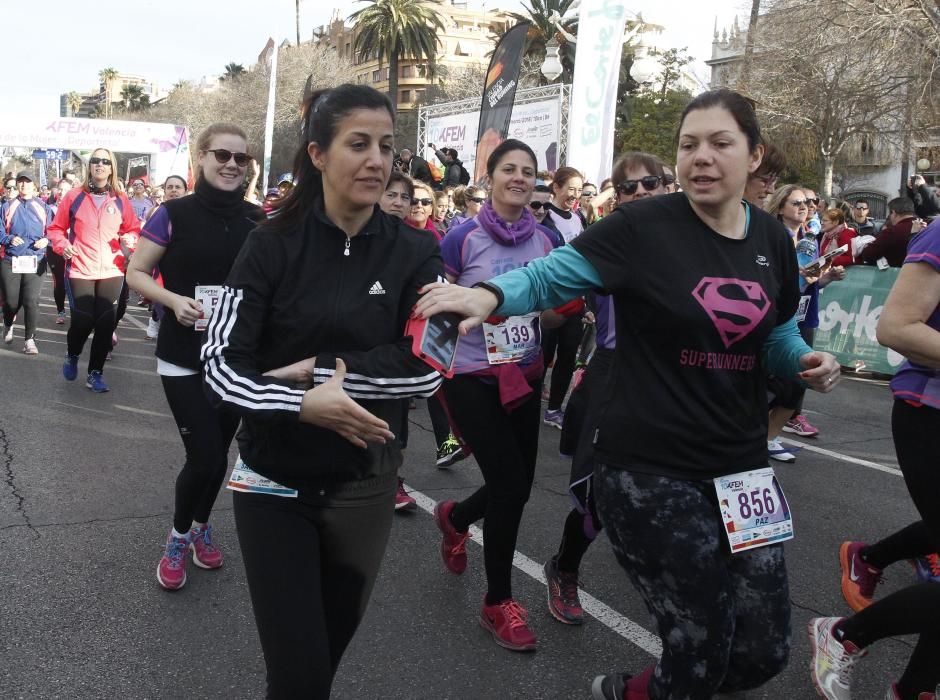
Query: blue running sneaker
(96, 383)
(927, 568)
(70, 367)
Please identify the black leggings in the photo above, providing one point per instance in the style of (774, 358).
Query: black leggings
(207, 434)
(92, 303)
(506, 447)
(122, 304)
(439, 423)
(311, 565)
(21, 291)
(57, 266)
(562, 343)
(916, 609)
(724, 619)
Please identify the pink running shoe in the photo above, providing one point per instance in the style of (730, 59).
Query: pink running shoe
(800, 426)
(171, 571)
(205, 554)
(508, 623)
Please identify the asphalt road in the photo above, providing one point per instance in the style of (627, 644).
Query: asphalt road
(85, 504)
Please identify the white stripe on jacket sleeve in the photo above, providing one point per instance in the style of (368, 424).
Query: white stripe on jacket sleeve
(230, 386)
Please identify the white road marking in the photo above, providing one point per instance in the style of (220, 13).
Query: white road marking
(81, 408)
(607, 616)
(142, 410)
(132, 319)
(844, 458)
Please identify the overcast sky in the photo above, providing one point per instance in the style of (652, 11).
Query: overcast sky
(59, 46)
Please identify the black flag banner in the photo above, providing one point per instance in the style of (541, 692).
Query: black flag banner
(499, 93)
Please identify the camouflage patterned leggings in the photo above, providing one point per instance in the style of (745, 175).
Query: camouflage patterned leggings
(724, 619)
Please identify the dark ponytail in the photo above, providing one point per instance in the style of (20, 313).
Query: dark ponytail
(320, 113)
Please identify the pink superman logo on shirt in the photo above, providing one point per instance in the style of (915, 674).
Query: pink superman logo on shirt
(734, 306)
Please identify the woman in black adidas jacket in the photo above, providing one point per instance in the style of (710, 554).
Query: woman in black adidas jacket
(306, 345)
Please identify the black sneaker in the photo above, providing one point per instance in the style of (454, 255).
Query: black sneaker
(450, 452)
(610, 687)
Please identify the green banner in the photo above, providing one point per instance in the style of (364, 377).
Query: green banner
(848, 316)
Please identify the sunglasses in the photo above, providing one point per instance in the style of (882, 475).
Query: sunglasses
(814, 200)
(223, 156)
(588, 194)
(650, 183)
(862, 207)
(422, 202)
(798, 203)
(95, 160)
(477, 200)
(538, 205)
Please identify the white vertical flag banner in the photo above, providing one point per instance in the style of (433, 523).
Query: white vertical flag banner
(594, 92)
(269, 119)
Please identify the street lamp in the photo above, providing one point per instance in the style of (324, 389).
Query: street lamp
(644, 67)
(551, 66)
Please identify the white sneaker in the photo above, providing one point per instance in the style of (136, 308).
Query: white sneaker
(833, 661)
(153, 328)
(30, 347)
(8, 335)
(776, 450)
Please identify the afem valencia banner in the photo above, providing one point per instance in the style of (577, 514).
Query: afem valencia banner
(499, 93)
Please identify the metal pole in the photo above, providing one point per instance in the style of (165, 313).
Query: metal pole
(269, 121)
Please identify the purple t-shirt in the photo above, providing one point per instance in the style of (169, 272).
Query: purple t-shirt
(914, 382)
(471, 255)
(158, 229)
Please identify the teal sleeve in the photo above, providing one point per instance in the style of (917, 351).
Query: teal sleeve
(783, 349)
(546, 282)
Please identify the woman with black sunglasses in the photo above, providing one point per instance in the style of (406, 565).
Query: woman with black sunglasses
(94, 228)
(636, 175)
(473, 198)
(423, 209)
(193, 242)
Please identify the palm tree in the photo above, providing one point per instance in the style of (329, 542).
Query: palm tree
(107, 76)
(541, 15)
(233, 71)
(397, 29)
(74, 102)
(133, 96)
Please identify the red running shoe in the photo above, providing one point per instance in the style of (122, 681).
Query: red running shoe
(858, 578)
(205, 554)
(506, 621)
(454, 544)
(402, 500)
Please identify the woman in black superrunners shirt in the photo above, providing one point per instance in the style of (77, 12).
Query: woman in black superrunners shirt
(705, 291)
(306, 345)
